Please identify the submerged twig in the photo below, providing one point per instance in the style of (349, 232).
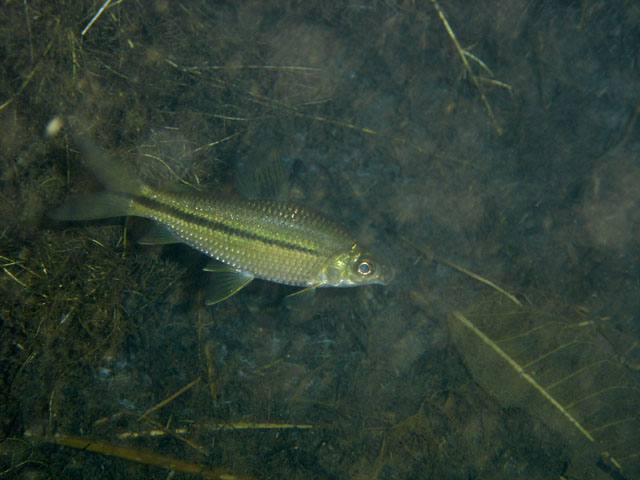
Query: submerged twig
(170, 398)
(431, 256)
(147, 458)
(464, 56)
(104, 6)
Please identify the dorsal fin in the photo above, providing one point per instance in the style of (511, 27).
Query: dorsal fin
(264, 177)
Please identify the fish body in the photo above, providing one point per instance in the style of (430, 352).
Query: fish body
(274, 240)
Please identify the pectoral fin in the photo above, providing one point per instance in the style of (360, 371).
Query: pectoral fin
(225, 281)
(301, 296)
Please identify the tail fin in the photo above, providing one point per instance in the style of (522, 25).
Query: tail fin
(92, 207)
(109, 171)
(115, 201)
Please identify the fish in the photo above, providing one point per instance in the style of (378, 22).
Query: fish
(246, 238)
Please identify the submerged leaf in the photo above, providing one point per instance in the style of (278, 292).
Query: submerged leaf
(558, 368)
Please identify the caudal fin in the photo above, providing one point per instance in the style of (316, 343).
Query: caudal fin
(120, 184)
(92, 207)
(112, 173)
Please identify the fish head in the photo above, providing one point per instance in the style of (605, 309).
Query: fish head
(355, 268)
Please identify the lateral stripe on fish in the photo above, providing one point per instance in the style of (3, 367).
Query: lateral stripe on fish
(202, 220)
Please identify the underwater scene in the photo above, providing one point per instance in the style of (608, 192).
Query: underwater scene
(320, 240)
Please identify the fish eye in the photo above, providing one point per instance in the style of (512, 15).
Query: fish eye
(364, 267)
